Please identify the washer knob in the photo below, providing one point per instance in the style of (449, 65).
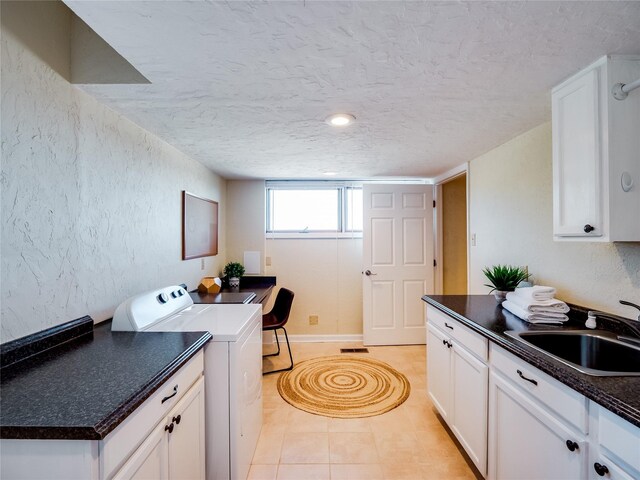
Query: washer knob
(626, 180)
(163, 298)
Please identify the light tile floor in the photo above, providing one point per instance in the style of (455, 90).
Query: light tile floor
(409, 442)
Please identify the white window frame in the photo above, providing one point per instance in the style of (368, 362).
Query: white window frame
(341, 186)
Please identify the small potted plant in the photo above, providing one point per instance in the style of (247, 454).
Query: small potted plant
(233, 271)
(503, 279)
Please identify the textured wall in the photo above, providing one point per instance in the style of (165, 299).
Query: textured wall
(325, 276)
(91, 203)
(245, 219)
(511, 213)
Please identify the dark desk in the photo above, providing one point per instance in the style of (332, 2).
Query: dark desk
(252, 290)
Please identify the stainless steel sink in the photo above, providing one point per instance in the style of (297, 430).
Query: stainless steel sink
(593, 352)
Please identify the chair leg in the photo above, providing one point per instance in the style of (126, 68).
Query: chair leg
(290, 367)
(278, 343)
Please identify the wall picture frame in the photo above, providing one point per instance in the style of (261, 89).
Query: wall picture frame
(199, 226)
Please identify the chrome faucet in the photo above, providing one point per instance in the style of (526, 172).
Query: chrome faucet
(625, 302)
(633, 324)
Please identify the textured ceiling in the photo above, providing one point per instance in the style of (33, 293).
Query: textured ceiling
(244, 87)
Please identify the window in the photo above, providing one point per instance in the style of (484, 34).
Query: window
(319, 208)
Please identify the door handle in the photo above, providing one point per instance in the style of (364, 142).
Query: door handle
(368, 273)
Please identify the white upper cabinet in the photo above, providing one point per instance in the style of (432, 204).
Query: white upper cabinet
(596, 154)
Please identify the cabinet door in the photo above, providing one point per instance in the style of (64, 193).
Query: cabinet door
(149, 461)
(526, 441)
(577, 158)
(470, 379)
(439, 370)
(186, 441)
(612, 471)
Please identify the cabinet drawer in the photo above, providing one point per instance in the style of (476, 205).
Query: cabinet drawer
(119, 444)
(565, 401)
(619, 438)
(472, 341)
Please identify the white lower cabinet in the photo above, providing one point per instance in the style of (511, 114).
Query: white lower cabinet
(175, 447)
(616, 446)
(470, 377)
(150, 460)
(164, 438)
(516, 422)
(186, 449)
(457, 382)
(528, 442)
(438, 371)
(604, 467)
(536, 423)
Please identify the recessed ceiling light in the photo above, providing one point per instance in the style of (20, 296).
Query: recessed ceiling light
(330, 174)
(340, 119)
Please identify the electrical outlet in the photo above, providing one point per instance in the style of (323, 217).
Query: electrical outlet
(267, 261)
(202, 264)
(313, 319)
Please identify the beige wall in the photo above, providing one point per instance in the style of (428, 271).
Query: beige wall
(454, 236)
(511, 213)
(245, 219)
(91, 203)
(325, 276)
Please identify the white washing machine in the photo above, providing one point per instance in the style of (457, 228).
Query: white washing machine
(232, 369)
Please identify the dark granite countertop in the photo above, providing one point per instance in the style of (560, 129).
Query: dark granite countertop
(85, 387)
(225, 296)
(481, 313)
(253, 289)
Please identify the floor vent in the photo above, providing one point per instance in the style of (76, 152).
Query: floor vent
(354, 350)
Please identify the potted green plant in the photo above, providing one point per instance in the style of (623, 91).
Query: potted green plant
(503, 279)
(233, 271)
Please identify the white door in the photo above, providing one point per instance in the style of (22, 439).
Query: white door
(527, 442)
(576, 158)
(470, 378)
(186, 440)
(439, 371)
(150, 460)
(397, 262)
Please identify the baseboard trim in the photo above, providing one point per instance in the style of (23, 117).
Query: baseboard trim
(323, 338)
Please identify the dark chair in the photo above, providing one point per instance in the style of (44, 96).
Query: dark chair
(277, 319)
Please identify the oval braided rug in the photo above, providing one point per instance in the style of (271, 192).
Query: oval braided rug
(344, 387)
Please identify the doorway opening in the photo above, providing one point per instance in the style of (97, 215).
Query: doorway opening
(452, 236)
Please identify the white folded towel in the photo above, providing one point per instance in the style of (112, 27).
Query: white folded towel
(547, 317)
(536, 293)
(538, 306)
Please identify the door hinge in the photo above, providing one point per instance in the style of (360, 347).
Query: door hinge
(434, 204)
(434, 263)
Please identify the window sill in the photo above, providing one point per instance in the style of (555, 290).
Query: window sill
(315, 235)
